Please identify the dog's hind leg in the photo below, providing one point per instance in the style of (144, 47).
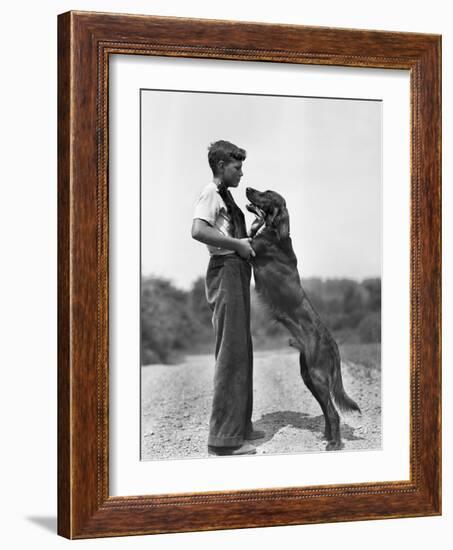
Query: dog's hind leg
(308, 382)
(319, 387)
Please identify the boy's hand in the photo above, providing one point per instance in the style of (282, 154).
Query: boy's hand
(244, 248)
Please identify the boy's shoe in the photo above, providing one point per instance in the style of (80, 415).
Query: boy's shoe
(244, 449)
(255, 434)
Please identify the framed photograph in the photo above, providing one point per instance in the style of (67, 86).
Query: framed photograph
(249, 275)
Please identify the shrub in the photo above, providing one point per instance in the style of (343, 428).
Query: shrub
(369, 328)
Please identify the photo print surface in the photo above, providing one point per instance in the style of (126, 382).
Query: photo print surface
(275, 351)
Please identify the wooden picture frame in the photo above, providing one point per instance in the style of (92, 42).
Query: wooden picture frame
(85, 42)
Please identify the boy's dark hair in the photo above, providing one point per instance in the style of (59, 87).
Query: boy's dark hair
(224, 150)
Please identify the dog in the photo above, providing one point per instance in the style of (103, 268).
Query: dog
(278, 284)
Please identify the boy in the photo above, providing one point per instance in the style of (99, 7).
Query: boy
(220, 224)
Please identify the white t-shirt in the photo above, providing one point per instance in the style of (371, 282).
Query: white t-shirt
(211, 208)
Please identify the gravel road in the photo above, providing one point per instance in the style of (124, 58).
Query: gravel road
(176, 401)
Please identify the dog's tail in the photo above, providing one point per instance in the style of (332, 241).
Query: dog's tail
(341, 398)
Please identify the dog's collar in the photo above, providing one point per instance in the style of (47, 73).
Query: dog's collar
(260, 230)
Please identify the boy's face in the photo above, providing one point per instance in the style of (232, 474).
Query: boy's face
(230, 173)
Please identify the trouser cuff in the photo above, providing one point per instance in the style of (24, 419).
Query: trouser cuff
(221, 441)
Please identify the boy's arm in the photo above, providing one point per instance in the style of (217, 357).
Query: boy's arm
(203, 232)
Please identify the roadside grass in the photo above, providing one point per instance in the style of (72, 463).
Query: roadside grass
(367, 355)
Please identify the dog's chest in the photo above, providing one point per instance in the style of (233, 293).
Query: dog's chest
(275, 273)
(268, 251)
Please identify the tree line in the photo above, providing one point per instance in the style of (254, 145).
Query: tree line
(175, 322)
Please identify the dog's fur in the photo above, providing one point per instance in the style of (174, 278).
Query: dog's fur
(277, 282)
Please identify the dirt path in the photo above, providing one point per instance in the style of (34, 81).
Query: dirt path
(176, 403)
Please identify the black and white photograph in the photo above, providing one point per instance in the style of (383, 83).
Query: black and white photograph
(228, 274)
(261, 262)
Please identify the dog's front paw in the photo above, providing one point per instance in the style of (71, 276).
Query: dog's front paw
(295, 344)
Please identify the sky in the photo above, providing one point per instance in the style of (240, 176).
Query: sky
(324, 156)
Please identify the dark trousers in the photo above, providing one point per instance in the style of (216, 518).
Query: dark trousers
(228, 294)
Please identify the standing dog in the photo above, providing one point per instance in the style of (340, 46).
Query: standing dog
(277, 282)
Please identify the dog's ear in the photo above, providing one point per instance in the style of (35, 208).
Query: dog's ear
(279, 220)
(282, 224)
(271, 218)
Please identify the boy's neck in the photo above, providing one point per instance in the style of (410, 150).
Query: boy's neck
(217, 181)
